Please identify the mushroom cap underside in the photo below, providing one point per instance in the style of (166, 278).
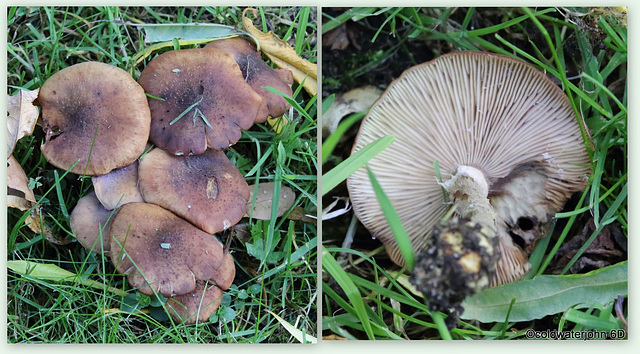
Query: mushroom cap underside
(204, 100)
(491, 112)
(207, 189)
(160, 252)
(258, 74)
(93, 112)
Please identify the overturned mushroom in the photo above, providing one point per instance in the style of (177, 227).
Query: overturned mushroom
(95, 114)
(118, 187)
(160, 252)
(89, 222)
(508, 146)
(201, 100)
(207, 189)
(258, 74)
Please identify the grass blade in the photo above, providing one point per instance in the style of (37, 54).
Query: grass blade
(296, 333)
(330, 265)
(390, 213)
(332, 141)
(341, 172)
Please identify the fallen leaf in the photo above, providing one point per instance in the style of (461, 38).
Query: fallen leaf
(403, 279)
(298, 213)
(242, 232)
(278, 123)
(356, 100)
(19, 196)
(609, 247)
(546, 295)
(264, 199)
(281, 54)
(51, 272)
(22, 117)
(166, 32)
(333, 337)
(336, 38)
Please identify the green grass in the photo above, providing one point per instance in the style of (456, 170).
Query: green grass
(44, 40)
(586, 55)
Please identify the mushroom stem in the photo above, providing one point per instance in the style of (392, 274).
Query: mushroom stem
(463, 252)
(469, 190)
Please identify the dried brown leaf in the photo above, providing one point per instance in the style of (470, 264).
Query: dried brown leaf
(22, 117)
(19, 196)
(356, 100)
(298, 213)
(264, 199)
(336, 38)
(281, 54)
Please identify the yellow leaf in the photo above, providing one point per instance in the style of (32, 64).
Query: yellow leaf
(278, 123)
(22, 117)
(281, 54)
(333, 337)
(403, 279)
(35, 221)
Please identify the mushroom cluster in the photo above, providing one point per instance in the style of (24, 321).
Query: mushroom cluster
(155, 212)
(510, 154)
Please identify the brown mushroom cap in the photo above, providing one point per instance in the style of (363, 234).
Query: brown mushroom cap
(163, 253)
(225, 274)
(207, 189)
(196, 306)
(118, 187)
(258, 74)
(86, 220)
(90, 100)
(493, 113)
(197, 83)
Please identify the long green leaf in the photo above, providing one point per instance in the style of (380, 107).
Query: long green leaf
(546, 295)
(354, 162)
(51, 272)
(194, 31)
